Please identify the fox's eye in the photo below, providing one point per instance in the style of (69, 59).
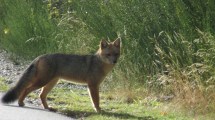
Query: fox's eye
(108, 54)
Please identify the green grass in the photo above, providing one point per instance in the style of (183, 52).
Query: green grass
(75, 102)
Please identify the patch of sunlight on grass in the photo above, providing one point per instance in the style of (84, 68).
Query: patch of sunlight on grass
(4, 87)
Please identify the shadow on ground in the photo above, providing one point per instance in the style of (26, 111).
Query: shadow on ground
(82, 114)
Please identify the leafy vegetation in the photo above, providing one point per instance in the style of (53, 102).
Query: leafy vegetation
(167, 46)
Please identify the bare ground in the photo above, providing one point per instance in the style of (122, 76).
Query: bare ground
(10, 69)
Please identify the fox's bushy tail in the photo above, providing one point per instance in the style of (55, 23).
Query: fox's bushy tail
(13, 94)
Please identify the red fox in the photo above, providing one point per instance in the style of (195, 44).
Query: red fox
(45, 71)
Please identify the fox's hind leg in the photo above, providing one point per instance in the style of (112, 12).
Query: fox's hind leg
(25, 93)
(45, 90)
(37, 83)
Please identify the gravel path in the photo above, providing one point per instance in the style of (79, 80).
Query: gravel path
(9, 69)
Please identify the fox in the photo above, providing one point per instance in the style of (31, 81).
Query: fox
(45, 71)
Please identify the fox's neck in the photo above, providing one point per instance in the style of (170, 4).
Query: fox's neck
(107, 67)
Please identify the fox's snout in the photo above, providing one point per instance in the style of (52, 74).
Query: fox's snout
(114, 62)
(113, 59)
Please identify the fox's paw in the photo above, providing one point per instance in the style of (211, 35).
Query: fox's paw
(21, 104)
(98, 110)
(52, 109)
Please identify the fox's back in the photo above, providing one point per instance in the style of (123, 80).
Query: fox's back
(69, 66)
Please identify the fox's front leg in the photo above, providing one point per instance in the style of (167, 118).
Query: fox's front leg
(94, 93)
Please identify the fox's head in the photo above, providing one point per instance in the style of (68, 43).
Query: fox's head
(109, 52)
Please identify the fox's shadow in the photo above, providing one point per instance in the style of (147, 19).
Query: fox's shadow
(82, 114)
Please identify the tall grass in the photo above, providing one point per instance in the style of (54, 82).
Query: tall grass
(154, 34)
(167, 46)
(26, 29)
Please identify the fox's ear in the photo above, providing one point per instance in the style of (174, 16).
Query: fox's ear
(117, 42)
(103, 44)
